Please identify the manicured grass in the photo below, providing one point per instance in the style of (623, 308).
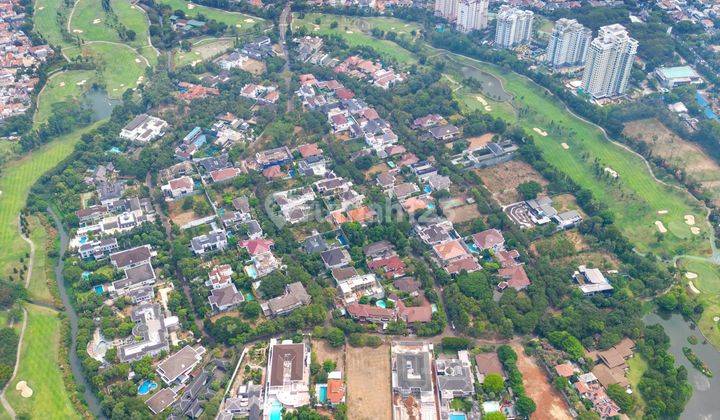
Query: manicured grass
(637, 366)
(240, 21)
(708, 282)
(96, 25)
(634, 198)
(59, 88)
(356, 32)
(203, 50)
(38, 287)
(120, 67)
(39, 367)
(17, 178)
(46, 22)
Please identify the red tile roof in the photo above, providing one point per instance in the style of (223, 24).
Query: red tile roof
(257, 246)
(335, 391)
(449, 250)
(488, 239)
(515, 277)
(224, 174)
(310, 149)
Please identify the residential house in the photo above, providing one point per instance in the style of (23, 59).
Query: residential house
(98, 249)
(591, 281)
(335, 257)
(215, 240)
(149, 335)
(175, 369)
(131, 257)
(288, 375)
(143, 129)
(295, 296)
(178, 188)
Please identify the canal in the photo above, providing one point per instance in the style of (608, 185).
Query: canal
(81, 380)
(705, 401)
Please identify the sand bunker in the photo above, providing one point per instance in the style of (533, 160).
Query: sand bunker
(662, 211)
(78, 31)
(660, 226)
(716, 318)
(564, 146)
(690, 275)
(695, 230)
(191, 6)
(82, 82)
(249, 20)
(348, 32)
(41, 8)
(539, 131)
(690, 219)
(613, 173)
(96, 21)
(25, 390)
(137, 60)
(62, 84)
(481, 100)
(693, 289)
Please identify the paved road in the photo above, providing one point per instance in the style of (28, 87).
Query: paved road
(283, 25)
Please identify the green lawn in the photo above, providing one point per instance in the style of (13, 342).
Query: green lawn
(120, 67)
(634, 198)
(17, 179)
(708, 282)
(240, 21)
(90, 22)
(356, 32)
(38, 287)
(62, 87)
(637, 366)
(39, 367)
(47, 22)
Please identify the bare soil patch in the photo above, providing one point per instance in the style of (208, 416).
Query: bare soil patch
(463, 214)
(368, 383)
(324, 352)
(550, 405)
(376, 169)
(253, 66)
(502, 180)
(679, 152)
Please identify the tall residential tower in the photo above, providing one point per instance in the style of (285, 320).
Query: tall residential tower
(514, 27)
(569, 43)
(446, 9)
(609, 62)
(472, 15)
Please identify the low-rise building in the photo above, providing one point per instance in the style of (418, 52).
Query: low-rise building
(288, 376)
(412, 380)
(591, 281)
(216, 240)
(176, 367)
(143, 129)
(294, 297)
(150, 333)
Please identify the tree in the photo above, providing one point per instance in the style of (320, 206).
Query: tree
(335, 337)
(529, 190)
(493, 383)
(495, 415)
(625, 401)
(251, 310)
(525, 406)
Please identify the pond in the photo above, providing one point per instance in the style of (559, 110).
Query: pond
(704, 402)
(101, 105)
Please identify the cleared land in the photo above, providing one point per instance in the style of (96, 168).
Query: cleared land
(708, 282)
(356, 32)
(324, 352)
(681, 153)
(240, 21)
(550, 404)
(17, 178)
(368, 381)
(502, 180)
(634, 197)
(202, 50)
(39, 367)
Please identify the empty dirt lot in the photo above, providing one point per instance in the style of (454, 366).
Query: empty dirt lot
(550, 405)
(502, 180)
(368, 383)
(678, 151)
(324, 352)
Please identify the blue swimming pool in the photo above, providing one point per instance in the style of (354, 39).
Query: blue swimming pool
(322, 394)
(381, 304)
(342, 239)
(146, 386)
(431, 206)
(83, 239)
(276, 411)
(86, 275)
(251, 271)
(457, 416)
(427, 189)
(114, 150)
(249, 297)
(99, 289)
(473, 248)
